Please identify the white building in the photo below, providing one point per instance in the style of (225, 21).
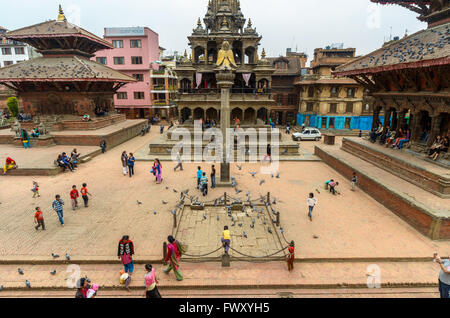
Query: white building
(13, 52)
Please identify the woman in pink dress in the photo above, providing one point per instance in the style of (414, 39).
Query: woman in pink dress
(151, 290)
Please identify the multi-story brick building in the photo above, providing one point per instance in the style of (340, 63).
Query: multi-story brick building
(134, 51)
(288, 70)
(328, 102)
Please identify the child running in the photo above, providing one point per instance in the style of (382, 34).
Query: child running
(39, 219)
(74, 197)
(35, 189)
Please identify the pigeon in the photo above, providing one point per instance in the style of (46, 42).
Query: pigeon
(174, 212)
(269, 230)
(139, 202)
(28, 284)
(20, 271)
(167, 188)
(253, 221)
(248, 193)
(253, 174)
(265, 223)
(169, 151)
(281, 230)
(54, 272)
(164, 202)
(154, 212)
(252, 226)
(245, 235)
(67, 257)
(274, 200)
(278, 175)
(284, 152)
(232, 218)
(239, 167)
(204, 216)
(238, 191)
(261, 182)
(272, 175)
(55, 255)
(246, 214)
(233, 224)
(315, 236)
(240, 224)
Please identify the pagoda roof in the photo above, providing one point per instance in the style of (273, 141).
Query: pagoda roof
(56, 29)
(425, 48)
(61, 69)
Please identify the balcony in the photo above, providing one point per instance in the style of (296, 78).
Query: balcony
(236, 94)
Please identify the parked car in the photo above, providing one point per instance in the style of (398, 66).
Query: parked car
(307, 134)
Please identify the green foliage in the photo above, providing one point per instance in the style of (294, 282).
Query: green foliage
(13, 106)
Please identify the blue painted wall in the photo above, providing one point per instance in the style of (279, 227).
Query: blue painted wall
(356, 122)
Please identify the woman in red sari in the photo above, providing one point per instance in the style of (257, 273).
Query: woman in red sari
(291, 257)
(173, 256)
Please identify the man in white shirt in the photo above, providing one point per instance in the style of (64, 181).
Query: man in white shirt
(444, 276)
(311, 203)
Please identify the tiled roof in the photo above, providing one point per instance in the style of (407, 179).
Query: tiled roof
(424, 48)
(55, 28)
(294, 65)
(328, 81)
(61, 69)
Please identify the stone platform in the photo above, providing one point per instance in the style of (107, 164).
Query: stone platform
(426, 212)
(114, 134)
(39, 161)
(426, 175)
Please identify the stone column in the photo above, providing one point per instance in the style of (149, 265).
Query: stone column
(225, 79)
(401, 117)
(415, 126)
(387, 118)
(436, 120)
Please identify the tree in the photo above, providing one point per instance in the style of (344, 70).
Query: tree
(13, 106)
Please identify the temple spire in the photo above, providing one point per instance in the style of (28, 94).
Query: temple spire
(263, 54)
(61, 16)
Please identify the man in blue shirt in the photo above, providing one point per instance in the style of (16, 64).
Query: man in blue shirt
(444, 276)
(199, 176)
(204, 184)
(66, 161)
(57, 205)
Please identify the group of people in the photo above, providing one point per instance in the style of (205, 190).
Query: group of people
(125, 252)
(390, 137)
(66, 162)
(128, 161)
(85, 289)
(202, 180)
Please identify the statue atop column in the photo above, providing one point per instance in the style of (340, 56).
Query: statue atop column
(226, 57)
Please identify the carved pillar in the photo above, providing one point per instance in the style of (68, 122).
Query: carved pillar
(401, 117)
(376, 114)
(225, 82)
(415, 126)
(387, 118)
(436, 120)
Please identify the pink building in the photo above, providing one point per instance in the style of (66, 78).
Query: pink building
(135, 48)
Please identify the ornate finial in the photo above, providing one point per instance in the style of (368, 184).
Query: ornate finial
(199, 22)
(249, 23)
(185, 53)
(263, 54)
(61, 16)
(190, 57)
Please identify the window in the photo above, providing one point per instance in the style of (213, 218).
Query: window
(6, 51)
(279, 99)
(139, 95)
(349, 108)
(118, 44)
(292, 99)
(139, 77)
(331, 123)
(281, 65)
(334, 91)
(309, 107)
(136, 60)
(324, 122)
(311, 92)
(351, 92)
(119, 60)
(101, 60)
(9, 63)
(306, 132)
(19, 50)
(122, 95)
(333, 108)
(135, 43)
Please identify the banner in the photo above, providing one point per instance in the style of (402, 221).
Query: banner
(198, 79)
(246, 77)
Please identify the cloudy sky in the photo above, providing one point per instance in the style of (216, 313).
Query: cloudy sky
(301, 24)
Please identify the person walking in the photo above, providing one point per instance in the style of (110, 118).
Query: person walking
(84, 194)
(179, 162)
(213, 177)
(444, 276)
(173, 257)
(35, 189)
(199, 176)
(130, 163)
(158, 171)
(288, 129)
(311, 202)
(74, 197)
(204, 184)
(291, 256)
(39, 219)
(25, 139)
(125, 253)
(151, 290)
(268, 153)
(57, 205)
(103, 145)
(124, 159)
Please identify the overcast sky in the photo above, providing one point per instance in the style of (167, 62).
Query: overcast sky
(305, 24)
